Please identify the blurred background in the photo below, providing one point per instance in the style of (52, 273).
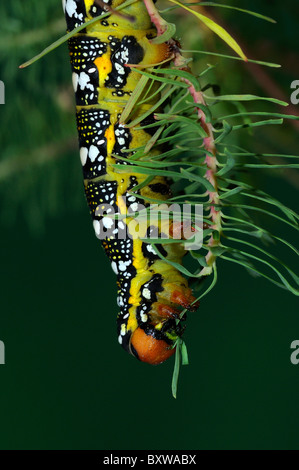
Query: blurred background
(67, 384)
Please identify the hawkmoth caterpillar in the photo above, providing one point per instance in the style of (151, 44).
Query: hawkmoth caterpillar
(150, 290)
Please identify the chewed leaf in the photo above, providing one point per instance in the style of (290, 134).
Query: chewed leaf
(216, 28)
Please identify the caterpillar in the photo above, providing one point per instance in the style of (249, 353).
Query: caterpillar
(150, 291)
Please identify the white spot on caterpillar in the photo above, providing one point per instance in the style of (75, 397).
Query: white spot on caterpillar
(134, 206)
(83, 155)
(150, 249)
(71, 10)
(146, 293)
(120, 69)
(83, 81)
(143, 317)
(63, 5)
(71, 7)
(97, 227)
(123, 329)
(120, 340)
(75, 78)
(107, 222)
(123, 265)
(114, 267)
(125, 55)
(93, 152)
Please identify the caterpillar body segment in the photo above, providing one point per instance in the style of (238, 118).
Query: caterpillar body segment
(150, 290)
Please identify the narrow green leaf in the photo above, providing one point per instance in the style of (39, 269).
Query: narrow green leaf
(270, 166)
(267, 122)
(217, 250)
(180, 73)
(168, 81)
(227, 128)
(133, 99)
(258, 113)
(183, 119)
(178, 266)
(162, 241)
(246, 98)
(265, 155)
(248, 265)
(221, 32)
(230, 163)
(185, 359)
(284, 284)
(166, 95)
(168, 34)
(199, 179)
(139, 186)
(213, 283)
(264, 197)
(271, 214)
(248, 12)
(176, 370)
(257, 248)
(231, 192)
(225, 56)
(200, 258)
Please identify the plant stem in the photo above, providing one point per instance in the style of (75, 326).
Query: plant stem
(156, 19)
(208, 142)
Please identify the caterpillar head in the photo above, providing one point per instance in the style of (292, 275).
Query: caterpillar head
(155, 345)
(150, 325)
(151, 337)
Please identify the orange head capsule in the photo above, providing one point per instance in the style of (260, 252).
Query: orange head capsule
(148, 347)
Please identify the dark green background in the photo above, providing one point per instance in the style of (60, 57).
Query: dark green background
(66, 383)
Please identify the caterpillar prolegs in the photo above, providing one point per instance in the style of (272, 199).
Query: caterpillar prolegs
(150, 290)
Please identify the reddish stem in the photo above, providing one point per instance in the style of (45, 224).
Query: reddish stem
(208, 142)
